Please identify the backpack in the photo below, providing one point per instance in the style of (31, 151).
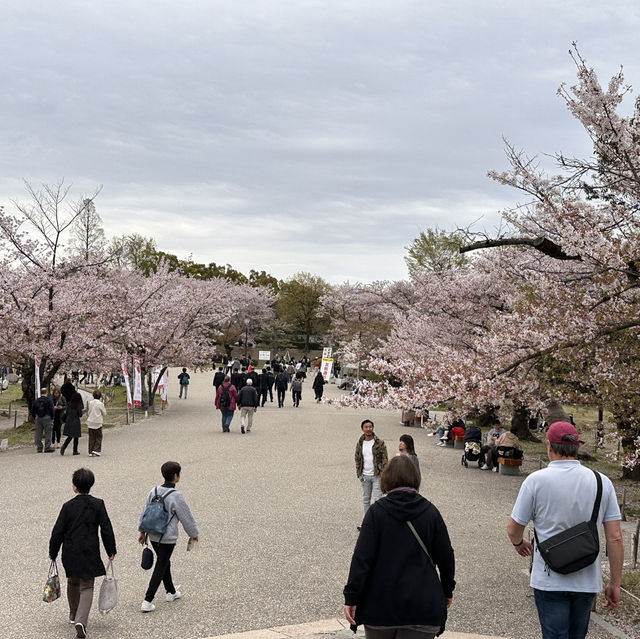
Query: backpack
(42, 407)
(155, 518)
(296, 385)
(225, 398)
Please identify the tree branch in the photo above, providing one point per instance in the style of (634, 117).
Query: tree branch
(541, 244)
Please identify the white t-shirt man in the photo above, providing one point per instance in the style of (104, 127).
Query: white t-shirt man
(556, 498)
(367, 455)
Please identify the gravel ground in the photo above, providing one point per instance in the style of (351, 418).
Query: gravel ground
(277, 511)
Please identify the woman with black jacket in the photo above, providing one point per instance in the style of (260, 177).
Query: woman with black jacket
(72, 425)
(76, 530)
(393, 586)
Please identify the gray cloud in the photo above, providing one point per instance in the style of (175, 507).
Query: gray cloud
(286, 135)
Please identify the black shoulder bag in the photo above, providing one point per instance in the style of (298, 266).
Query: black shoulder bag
(577, 547)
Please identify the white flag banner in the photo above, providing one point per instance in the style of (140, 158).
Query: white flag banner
(165, 385)
(125, 372)
(326, 352)
(137, 382)
(325, 368)
(37, 373)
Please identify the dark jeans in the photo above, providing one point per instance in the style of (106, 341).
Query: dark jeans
(75, 443)
(161, 571)
(44, 427)
(281, 395)
(563, 615)
(488, 456)
(263, 396)
(227, 416)
(297, 396)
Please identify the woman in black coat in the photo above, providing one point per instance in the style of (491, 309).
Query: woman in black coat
(73, 426)
(393, 586)
(76, 530)
(318, 386)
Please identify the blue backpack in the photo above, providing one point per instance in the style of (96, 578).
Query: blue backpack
(155, 518)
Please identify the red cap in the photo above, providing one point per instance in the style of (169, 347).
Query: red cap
(563, 433)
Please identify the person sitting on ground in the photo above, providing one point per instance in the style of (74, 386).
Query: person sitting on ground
(406, 447)
(487, 456)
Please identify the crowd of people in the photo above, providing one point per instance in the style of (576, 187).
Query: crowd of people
(239, 386)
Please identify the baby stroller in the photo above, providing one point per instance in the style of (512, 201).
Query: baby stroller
(471, 453)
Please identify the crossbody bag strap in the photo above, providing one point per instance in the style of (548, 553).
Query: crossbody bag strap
(173, 490)
(417, 536)
(596, 505)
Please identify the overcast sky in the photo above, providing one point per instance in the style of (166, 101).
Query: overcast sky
(292, 135)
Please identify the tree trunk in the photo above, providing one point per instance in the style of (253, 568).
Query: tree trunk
(520, 423)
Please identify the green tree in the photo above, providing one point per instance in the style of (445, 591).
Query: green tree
(435, 250)
(134, 251)
(298, 305)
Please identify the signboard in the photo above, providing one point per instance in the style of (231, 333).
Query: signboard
(325, 367)
(327, 352)
(264, 355)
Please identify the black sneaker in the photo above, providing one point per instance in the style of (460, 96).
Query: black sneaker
(49, 450)
(81, 631)
(242, 429)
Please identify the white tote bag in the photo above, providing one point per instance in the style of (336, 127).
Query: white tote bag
(108, 597)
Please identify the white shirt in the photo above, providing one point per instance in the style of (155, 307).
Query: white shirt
(367, 454)
(556, 498)
(96, 413)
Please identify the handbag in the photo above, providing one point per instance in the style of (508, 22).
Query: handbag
(574, 548)
(108, 597)
(147, 558)
(52, 586)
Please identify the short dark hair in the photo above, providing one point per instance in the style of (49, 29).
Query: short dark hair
(366, 421)
(83, 479)
(170, 469)
(565, 450)
(97, 394)
(399, 472)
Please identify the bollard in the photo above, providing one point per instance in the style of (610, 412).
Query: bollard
(636, 540)
(15, 419)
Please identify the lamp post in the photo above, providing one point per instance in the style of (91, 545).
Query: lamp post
(246, 335)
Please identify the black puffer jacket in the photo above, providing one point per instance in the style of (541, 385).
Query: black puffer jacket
(76, 530)
(391, 580)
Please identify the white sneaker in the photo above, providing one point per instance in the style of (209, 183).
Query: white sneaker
(173, 596)
(430, 434)
(95, 453)
(147, 606)
(440, 444)
(484, 467)
(495, 469)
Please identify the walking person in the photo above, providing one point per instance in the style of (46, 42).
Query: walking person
(557, 498)
(296, 389)
(164, 544)
(263, 385)
(59, 408)
(73, 425)
(184, 378)
(225, 402)
(43, 414)
(318, 386)
(76, 530)
(218, 378)
(282, 383)
(248, 402)
(371, 458)
(96, 412)
(393, 586)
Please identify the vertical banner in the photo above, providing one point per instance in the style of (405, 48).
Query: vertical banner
(37, 373)
(325, 368)
(165, 385)
(125, 372)
(137, 382)
(326, 352)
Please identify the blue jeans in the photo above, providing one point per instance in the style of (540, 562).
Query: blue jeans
(227, 416)
(563, 615)
(370, 490)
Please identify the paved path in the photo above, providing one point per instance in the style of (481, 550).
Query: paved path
(277, 510)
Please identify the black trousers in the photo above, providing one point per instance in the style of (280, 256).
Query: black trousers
(263, 396)
(281, 395)
(161, 571)
(75, 443)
